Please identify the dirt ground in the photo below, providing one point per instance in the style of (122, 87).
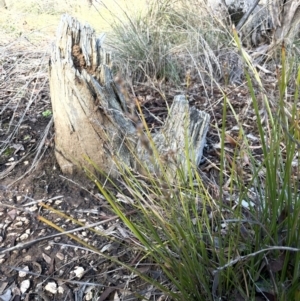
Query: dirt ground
(36, 261)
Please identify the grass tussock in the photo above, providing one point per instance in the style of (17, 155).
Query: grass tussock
(242, 242)
(245, 242)
(37, 21)
(234, 238)
(165, 41)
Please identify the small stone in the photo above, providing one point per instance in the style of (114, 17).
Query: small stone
(42, 232)
(60, 256)
(79, 271)
(33, 208)
(223, 225)
(248, 204)
(51, 287)
(89, 296)
(24, 236)
(27, 258)
(46, 258)
(25, 284)
(11, 234)
(12, 214)
(24, 271)
(61, 272)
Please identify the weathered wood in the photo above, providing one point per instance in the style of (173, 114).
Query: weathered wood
(288, 21)
(90, 112)
(183, 121)
(271, 22)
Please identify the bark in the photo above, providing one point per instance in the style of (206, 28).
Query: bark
(91, 117)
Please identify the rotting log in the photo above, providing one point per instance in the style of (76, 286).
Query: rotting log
(91, 116)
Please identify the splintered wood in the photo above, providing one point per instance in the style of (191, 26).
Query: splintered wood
(93, 129)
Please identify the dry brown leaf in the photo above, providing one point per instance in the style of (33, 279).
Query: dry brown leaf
(231, 140)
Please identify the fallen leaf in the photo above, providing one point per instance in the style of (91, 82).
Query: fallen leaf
(106, 293)
(230, 140)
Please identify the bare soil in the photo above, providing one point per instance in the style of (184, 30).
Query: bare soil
(36, 261)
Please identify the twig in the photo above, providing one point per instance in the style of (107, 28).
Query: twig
(246, 16)
(240, 258)
(21, 246)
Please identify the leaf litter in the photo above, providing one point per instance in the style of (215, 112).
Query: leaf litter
(35, 259)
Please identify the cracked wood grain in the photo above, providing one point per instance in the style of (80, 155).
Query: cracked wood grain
(91, 118)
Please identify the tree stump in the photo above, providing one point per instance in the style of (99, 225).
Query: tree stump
(269, 22)
(91, 116)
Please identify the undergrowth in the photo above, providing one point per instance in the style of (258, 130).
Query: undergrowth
(243, 242)
(240, 244)
(163, 41)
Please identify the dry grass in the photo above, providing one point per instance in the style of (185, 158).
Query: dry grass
(37, 20)
(213, 244)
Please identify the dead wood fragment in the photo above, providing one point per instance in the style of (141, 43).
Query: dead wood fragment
(90, 113)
